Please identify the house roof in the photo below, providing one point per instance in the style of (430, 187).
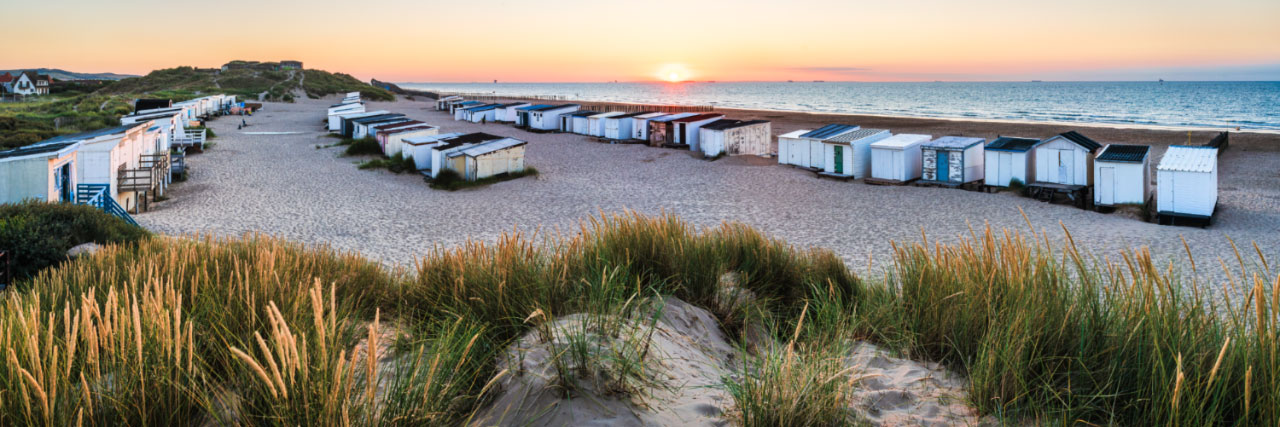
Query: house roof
(829, 131)
(723, 124)
(698, 118)
(855, 135)
(1123, 153)
(1182, 158)
(6, 78)
(901, 141)
(1012, 143)
(1081, 140)
(489, 147)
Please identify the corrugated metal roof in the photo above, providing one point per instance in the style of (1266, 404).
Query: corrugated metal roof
(698, 118)
(1123, 153)
(533, 107)
(795, 134)
(855, 135)
(723, 124)
(1081, 140)
(513, 104)
(490, 147)
(954, 142)
(829, 131)
(900, 141)
(671, 117)
(429, 139)
(377, 118)
(417, 127)
(1012, 143)
(1184, 158)
(38, 148)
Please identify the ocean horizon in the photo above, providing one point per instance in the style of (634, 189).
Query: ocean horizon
(1223, 105)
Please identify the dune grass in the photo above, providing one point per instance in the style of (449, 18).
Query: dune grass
(261, 331)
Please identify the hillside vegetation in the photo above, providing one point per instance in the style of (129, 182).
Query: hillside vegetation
(259, 331)
(23, 123)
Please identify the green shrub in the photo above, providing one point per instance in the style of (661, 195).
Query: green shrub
(396, 164)
(363, 147)
(452, 181)
(39, 234)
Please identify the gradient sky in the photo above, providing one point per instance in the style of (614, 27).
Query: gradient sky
(602, 40)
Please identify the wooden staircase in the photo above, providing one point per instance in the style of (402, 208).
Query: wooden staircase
(96, 195)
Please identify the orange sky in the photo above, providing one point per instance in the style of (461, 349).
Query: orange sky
(600, 40)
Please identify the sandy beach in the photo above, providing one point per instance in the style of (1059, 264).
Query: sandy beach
(281, 184)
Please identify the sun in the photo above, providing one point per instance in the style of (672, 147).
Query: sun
(673, 73)
(673, 77)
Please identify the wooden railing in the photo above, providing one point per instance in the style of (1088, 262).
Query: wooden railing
(190, 138)
(96, 195)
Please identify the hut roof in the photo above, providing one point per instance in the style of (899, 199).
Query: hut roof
(829, 131)
(1184, 158)
(489, 147)
(671, 117)
(376, 117)
(698, 118)
(1012, 143)
(955, 142)
(1081, 140)
(429, 139)
(855, 135)
(583, 113)
(900, 141)
(723, 124)
(535, 107)
(1123, 153)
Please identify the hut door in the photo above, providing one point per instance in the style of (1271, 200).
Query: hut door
(944, 167)
(1107, 186)
(1065, 166)
(839, 159)
(1005, 175)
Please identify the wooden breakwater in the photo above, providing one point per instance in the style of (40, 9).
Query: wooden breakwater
(625, 107)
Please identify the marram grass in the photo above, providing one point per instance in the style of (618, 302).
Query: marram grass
(260, 331)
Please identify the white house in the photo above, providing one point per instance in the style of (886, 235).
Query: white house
(897, 158)
(849, 154)
(1187, 182)
(952, 160)
(640, 125)
(596, 122)
(1122, 175)
(1009, 159)
(419, 148)
(44, 171)
(507, 112)
(685, 130)
(618, 128)
(488, 159)
(548, 118)
(805, 148)
(735, 137)
(1065, 159)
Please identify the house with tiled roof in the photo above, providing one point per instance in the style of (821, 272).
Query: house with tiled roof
(26, 83)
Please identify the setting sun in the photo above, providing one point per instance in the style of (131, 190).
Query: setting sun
(673, 77)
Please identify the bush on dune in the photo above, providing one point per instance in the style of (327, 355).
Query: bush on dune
(39, 234)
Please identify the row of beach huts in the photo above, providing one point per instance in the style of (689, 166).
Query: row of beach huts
(472, 156)
(118, 169)
(1068, 166)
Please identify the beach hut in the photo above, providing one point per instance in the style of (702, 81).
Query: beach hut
(684, 131)
(488, 159)
(1121, 175)
(735, 137)
(44, 171)
(548, 118)
(897, 159)
(848, 155)
(618, 128)
(1065, 159)
(577, 122)
(442, 104)
(805, 150)
(1187, 185)
(640, 125)
(419, 148)
(595, 123)
(658, 126)
(506, 113)
(346, 122)
(522, 114)
(391, 138)
(440, 153)
(454, 107)
(480, 113)
(361, 126)
(1009, 159)
(952, 160)
(335, 115)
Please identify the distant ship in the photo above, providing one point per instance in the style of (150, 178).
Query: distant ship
(1161, 81)
(791, 81)
(819, 81)
(1035, 81)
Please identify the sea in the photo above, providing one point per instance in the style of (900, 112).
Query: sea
(1191, 105)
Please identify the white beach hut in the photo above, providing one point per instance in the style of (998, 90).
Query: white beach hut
(657, 134)
(441, 152)
(952, 160)
(1065, 159)
(618, 128)
(897, 158)
(44, 171)
(1009, 159)
(488, 159)
(596, 122)
(578, 122)
(849, 154)
(805, 149)
(1187, 184)
(548, 118)
(114, 158)
(1122, 175)
(507, 112)
(419, 148)
(362, 126)
(640, 125)
(735, 137)
(393, 139)
(685, 131)
(346, 122)
(442, 104)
